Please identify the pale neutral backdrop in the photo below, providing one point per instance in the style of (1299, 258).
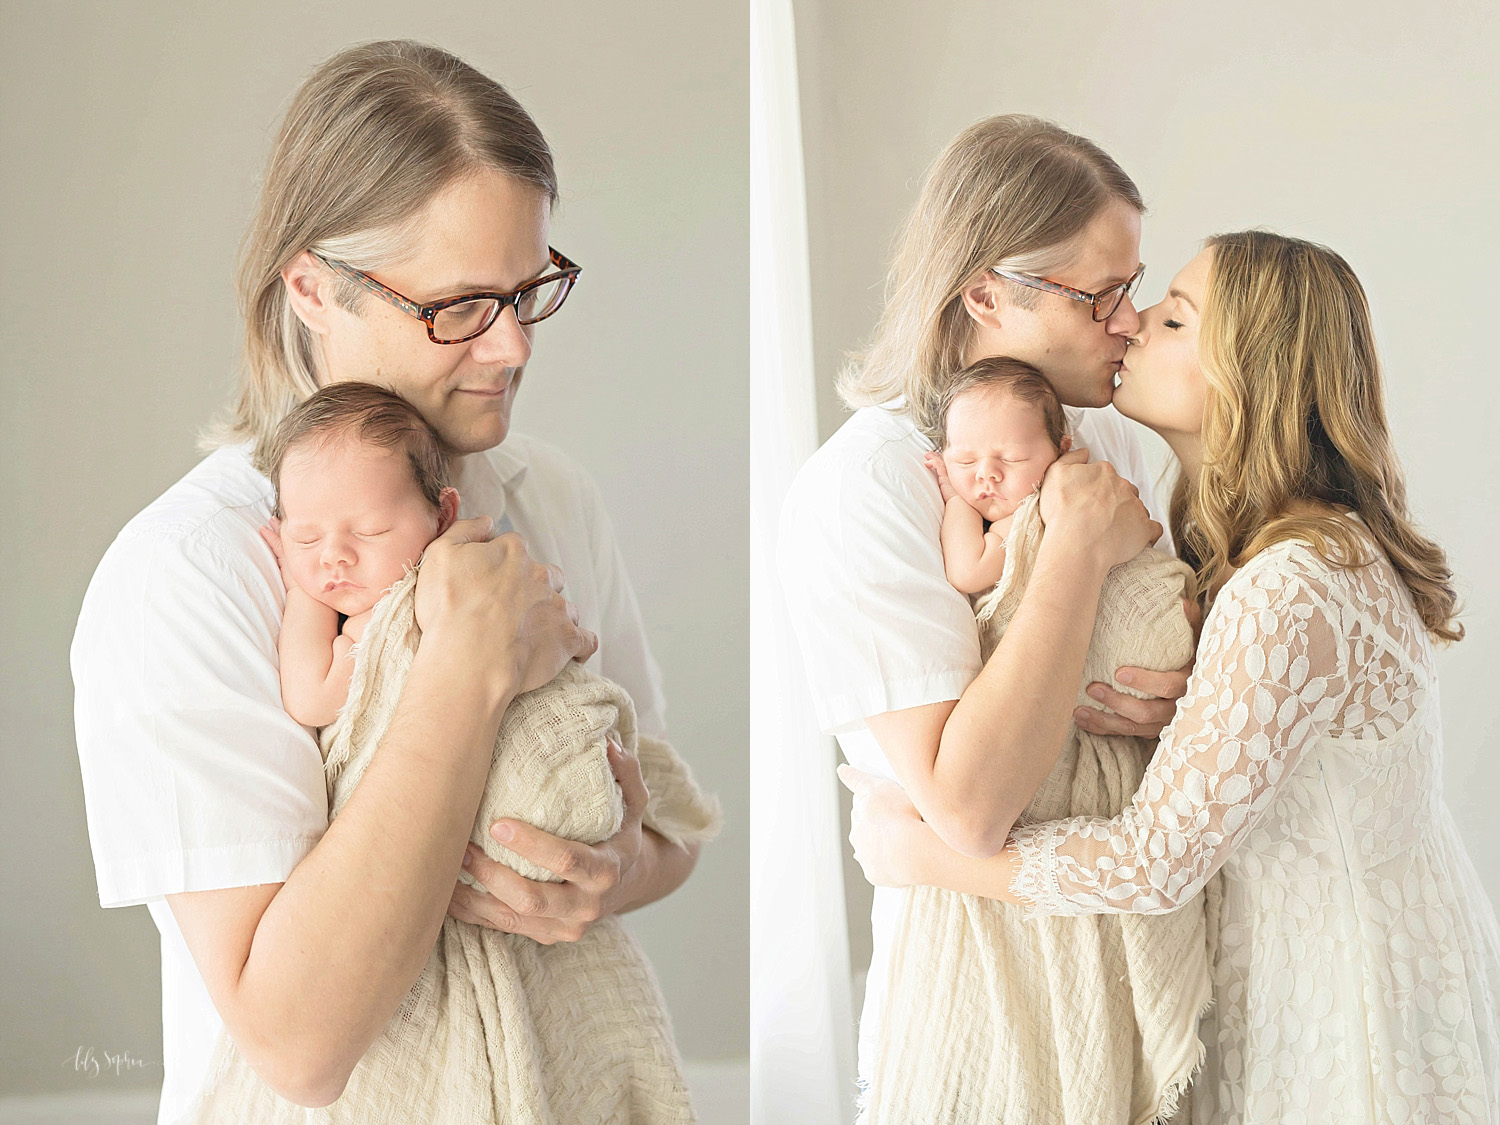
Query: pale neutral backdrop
(133, 137)
(1369, 127)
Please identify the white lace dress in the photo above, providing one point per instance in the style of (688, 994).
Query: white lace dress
(1358, 956)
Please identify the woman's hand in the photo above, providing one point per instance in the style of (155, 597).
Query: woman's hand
(498, 607)
(593, 876)
(934, 461)
(885, 828)
(1095, 510)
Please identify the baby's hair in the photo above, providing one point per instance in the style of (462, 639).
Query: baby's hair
(1013, 376)
(371, 415)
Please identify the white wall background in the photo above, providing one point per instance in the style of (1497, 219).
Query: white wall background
(1370, 127)
(133, 137)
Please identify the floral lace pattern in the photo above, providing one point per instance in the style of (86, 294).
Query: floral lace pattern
(1358, 956)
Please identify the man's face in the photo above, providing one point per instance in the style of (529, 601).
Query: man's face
(487, 232)
(1078, 355)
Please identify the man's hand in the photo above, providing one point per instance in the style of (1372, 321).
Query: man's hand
(1141, 718)
(498, 606)
(593, 876)
(1095, 510)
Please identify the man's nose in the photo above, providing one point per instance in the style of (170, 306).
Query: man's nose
(1125, 320)
(504, 343)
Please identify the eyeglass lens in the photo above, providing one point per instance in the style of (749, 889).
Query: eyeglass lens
(469, 318)
(1105, 306)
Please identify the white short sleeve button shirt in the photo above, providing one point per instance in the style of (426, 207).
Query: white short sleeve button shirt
(194, 777)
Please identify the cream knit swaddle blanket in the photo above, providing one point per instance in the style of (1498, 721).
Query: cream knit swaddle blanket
(992, 1017)
(499, 1030)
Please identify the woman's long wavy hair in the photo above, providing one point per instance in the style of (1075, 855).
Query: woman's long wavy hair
(1295, 413)
(1010, 191)
(372, 135)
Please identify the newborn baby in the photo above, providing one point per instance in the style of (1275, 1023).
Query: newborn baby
(498, 1029)
(1001, 426)
(991, 1015)
(361, 489)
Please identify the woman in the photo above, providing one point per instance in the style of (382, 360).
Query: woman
(1358, 956)
(401, 178)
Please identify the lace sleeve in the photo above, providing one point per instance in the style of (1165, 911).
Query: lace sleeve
(1273, 671)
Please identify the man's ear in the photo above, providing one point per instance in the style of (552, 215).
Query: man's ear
(983, 300)
(309, 290)
(447, 509)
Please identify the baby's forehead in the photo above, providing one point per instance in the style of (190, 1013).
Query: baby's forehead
(989, 411)
(336, 470)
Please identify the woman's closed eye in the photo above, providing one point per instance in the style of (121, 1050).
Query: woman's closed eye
(1170, 323)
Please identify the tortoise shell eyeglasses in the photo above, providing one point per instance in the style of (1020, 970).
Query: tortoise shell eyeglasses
(1104, 303)
(454, 320)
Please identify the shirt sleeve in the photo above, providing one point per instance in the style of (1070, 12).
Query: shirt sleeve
(861, 564)
(625, 653)
(194, 777)
(1273, 672)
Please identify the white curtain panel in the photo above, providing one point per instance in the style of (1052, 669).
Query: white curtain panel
(801, 1028)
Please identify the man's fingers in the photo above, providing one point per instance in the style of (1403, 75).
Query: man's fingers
(564, 858)
(555, 578)
(588, 644)
(627, 771)
(1163, 685)
(1102, 722)
(1077, 456)
(476, 530)
(1145, 712)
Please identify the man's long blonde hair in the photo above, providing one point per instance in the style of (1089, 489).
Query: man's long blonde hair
(1295, 413)
(1009, 191)
(371, 136)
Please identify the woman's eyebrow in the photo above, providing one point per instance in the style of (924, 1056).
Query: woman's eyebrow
(1181, 296)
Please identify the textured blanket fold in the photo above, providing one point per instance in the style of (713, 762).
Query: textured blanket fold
(499, 1030)
(992, 1017)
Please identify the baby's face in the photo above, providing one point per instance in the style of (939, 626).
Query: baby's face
(354, 519)
(998, 450)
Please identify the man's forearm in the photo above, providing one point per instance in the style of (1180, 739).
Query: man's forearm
(1003, 736)
(346, 936)
(660, 869)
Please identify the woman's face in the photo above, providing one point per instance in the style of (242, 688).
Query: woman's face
(485, 232)
(1161, 382)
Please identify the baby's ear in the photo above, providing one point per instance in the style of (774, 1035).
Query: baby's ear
(1066, 443)
(447, 509)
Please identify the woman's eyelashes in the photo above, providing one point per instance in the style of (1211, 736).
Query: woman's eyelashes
(1170, 323)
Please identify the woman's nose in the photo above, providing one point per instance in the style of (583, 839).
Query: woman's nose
(505, 342)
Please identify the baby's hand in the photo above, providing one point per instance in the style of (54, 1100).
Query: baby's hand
(940, 470)
(271, 533)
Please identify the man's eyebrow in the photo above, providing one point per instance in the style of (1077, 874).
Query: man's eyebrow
(459, 288)
(1181, 296)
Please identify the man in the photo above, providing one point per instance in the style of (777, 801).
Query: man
(1024, 242)
(401, 177)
